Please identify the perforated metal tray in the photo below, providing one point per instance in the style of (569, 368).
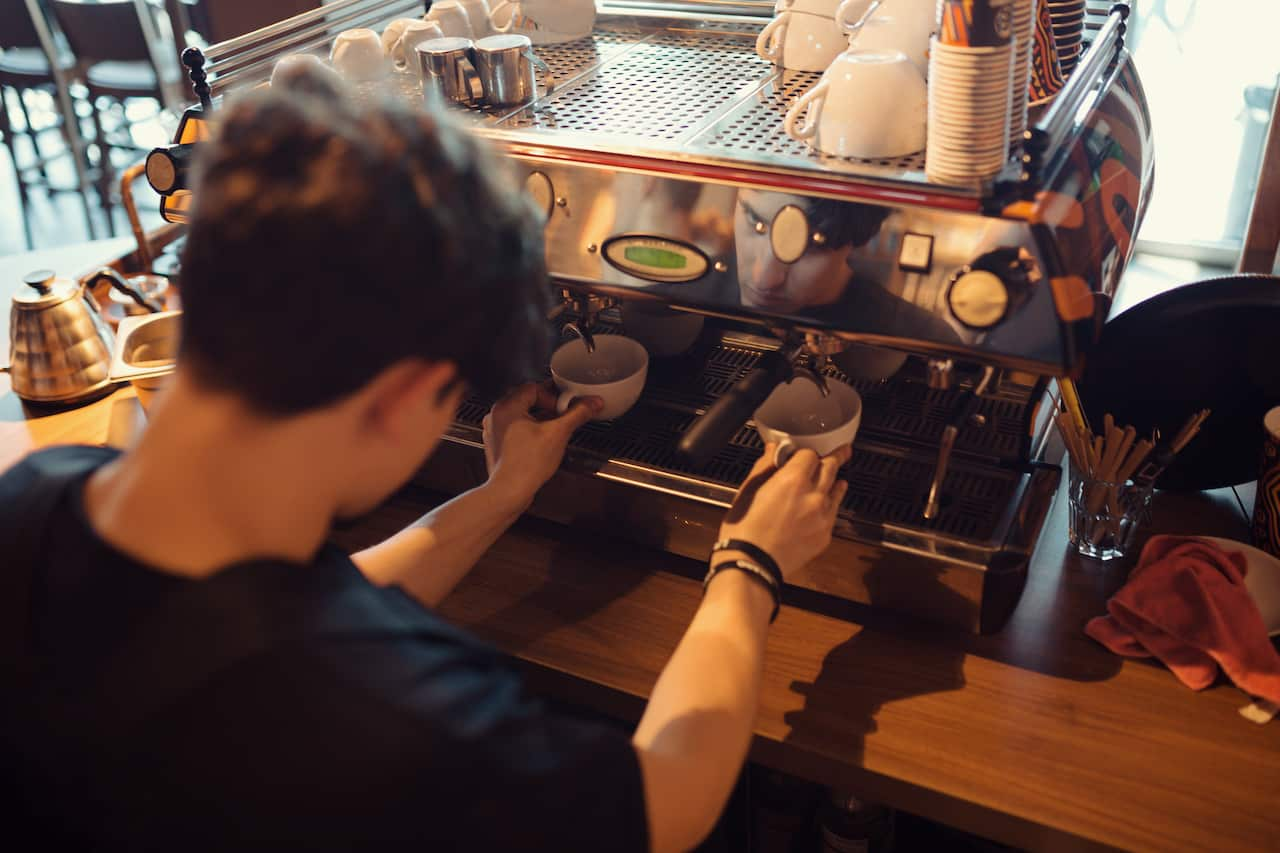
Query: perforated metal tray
(888, 475)
(676, 90)
(688, 91)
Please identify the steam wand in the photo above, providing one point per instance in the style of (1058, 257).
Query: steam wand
(965, 410)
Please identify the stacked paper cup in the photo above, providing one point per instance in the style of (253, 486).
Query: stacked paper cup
(1068, 30)
(1023, 47)
(970, 91)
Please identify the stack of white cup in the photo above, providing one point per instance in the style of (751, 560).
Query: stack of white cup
(969, 97)
(1024, 25)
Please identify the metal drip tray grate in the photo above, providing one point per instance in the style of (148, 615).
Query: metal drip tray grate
(654, 87)
(663, 88)
(571, 59)
(894, 411)
(890, 470)
(884, 486)
(756, 127)
(687, 88)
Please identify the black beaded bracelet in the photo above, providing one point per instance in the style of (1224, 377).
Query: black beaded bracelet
(755, 552)
(755, 572)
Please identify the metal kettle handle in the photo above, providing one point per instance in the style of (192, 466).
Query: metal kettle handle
(119, 283)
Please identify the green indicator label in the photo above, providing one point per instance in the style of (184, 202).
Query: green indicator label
(659, 258)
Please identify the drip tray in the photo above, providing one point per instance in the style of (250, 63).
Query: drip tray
(893, 458)
(885, 485)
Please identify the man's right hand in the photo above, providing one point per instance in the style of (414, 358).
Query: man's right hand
(789, 512)
(524, 440)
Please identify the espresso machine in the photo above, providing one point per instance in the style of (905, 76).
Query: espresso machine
(677, 211)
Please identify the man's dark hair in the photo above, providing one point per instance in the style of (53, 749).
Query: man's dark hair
(330, 239)
(846, 223)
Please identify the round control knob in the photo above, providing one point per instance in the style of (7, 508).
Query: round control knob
(167, 168)
(978, 299)
(986, 291)
(539, 187)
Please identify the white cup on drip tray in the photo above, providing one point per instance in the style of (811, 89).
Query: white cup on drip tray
(797, 415)
(615, 372)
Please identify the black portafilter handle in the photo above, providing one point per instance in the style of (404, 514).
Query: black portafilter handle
(708, 435)
(168, 166)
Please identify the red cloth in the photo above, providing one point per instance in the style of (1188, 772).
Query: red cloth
(1186, 604)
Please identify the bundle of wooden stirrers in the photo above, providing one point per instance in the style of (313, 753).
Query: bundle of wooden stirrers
(1112, 457)
(1110, 460)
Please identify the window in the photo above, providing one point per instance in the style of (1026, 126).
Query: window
(1209, 69)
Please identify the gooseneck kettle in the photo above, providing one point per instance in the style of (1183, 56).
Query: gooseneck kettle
(59, 344)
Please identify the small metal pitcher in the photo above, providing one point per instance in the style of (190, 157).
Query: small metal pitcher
(507, 66)
(448, 72)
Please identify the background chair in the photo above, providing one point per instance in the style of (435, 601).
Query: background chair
(116, 64)
(218, 20)
(25, 67)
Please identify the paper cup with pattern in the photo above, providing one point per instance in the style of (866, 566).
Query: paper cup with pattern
(1266, 507)
(1046, 73)
(975, 23)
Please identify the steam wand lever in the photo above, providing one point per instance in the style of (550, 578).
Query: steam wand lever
(965, 408)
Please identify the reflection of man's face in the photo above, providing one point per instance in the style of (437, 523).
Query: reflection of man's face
(818, 278)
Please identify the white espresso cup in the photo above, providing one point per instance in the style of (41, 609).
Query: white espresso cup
(357, 55)
(796, 415)
(886, 32)
(615, 373)
(452, 18)
(545, 21)
(391, 34)
(480, 16)
(868, 104)
(850, 12)
(803, 36)
(298, 67)
(411, 35)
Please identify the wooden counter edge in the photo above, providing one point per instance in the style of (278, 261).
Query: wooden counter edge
(791, 759)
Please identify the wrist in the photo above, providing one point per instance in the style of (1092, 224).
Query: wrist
(508, 497)
(732, 548)
(737, 589)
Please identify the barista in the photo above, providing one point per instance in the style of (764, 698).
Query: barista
(193, 666)
(821, 285)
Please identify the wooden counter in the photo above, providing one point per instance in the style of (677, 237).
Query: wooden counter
(1036, 736)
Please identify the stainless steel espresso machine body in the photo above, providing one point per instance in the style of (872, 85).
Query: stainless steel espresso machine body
(679, 212)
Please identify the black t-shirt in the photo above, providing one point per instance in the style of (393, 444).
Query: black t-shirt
(277, 706)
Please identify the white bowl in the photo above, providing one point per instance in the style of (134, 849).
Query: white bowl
(867, 104)
(1262, 579)
(797, 415)
(615, 373)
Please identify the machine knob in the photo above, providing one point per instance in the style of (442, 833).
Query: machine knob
(167, 167)
(983, 293)
(543, 193)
